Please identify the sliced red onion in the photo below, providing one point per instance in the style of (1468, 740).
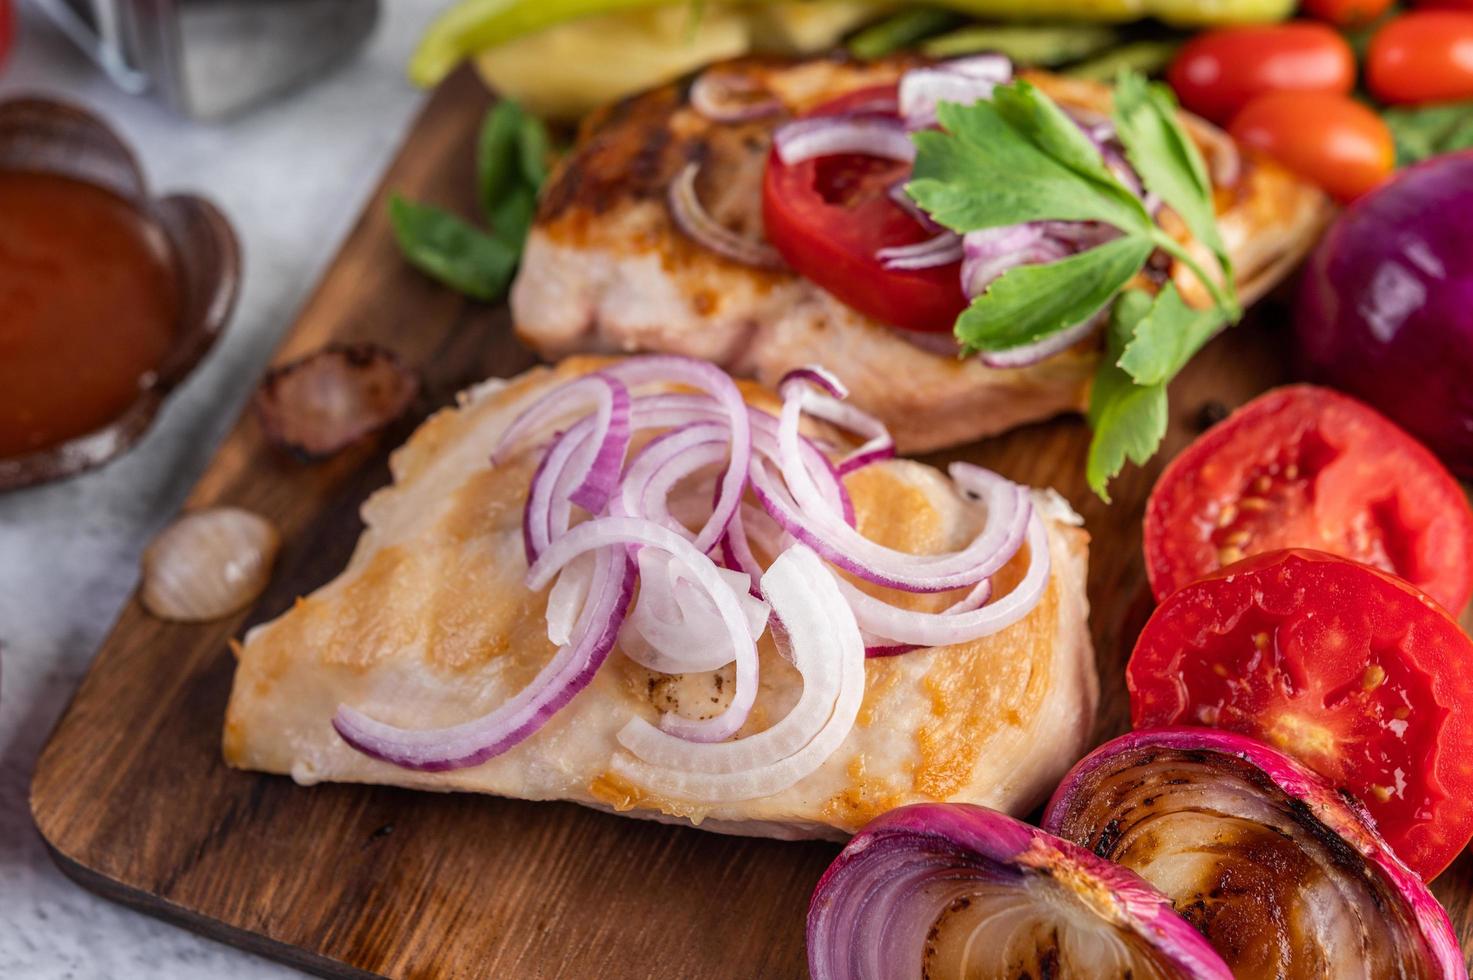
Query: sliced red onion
(675, 627)
(1026, 354)
(569, 671)
(666, 461)
(703, 572)
(802, 511)
(727, 96)
(598, 465)
(942, 249)
(695, 221)
(829, 406)
(1283, 874)
(860, 133)
(827, 650)
(963, 81)
(902, 200)
(969, 619)
(954, 890)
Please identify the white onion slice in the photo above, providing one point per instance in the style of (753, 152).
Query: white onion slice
(941, 249)
(825, 136)
(675, 627)
(726, 96)
(693, 219)
(964, 81)
(604, 531)
(823, 639)
(887, 624)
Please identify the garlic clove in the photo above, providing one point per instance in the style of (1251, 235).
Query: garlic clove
(208, 564)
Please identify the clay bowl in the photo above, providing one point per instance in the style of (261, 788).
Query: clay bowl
(41, 135)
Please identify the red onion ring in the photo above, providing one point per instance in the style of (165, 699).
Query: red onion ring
(603, 531)
(942, 249)
(729, 97)
(802, 512)
(600, 471)
(826, 649)
(862, 133)
(569, 671)
(695, 221)
(963, 81)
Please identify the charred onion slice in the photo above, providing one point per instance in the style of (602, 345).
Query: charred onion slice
(322, 403)
(1279, 871)
(953, 890)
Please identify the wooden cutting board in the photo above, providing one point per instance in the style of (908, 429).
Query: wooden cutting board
(350, 881)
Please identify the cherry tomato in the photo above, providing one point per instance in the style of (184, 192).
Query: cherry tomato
(1218, 72)
(829, 216)
(1329, 140)
(1346, 13)
(1425, 56)
(1308, 467)
(1353, 671)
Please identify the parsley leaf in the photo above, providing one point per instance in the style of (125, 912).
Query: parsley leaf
(1426, 131)
(981, 172)
(1166, 337)
(1029, 302)
(1128, 419)
(1019, 158)
(1170, 165)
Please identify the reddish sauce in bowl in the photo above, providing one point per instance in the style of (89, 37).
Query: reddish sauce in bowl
(88, 308)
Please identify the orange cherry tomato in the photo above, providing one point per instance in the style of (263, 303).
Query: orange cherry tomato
(1426, 56)
(1218, 72)
(1329, 140)
(1346, 13)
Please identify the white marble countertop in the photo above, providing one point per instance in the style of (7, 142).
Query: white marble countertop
(292, 176)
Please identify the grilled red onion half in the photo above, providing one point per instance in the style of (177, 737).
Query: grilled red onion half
(644, 472)
(1285, 876)
(953, 890)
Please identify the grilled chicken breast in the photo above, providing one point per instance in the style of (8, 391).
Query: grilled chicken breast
(430, 624)
(606, 269)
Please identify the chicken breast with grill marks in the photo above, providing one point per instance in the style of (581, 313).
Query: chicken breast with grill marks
(430, 624)
(606, 269)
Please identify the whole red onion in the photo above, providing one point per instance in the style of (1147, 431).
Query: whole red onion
(1386, 305)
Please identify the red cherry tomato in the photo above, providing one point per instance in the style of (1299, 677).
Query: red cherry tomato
(1346, 13)
(828, 217)
(1425, 56)
(1218, 72)
(1329, 140)
(1306, 467)
(1353, 671)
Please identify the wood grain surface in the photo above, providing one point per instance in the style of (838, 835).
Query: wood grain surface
(134, 801)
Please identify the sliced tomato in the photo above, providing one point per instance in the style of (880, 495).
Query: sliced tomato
(1351, 670)
(829, 216)
(1308, 467)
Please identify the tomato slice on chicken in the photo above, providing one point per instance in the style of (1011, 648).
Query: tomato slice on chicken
(829, 216)
(1351, 670)
(1306, 467)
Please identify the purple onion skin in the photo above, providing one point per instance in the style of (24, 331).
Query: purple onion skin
(1333, 810)
(1386, 305)
(983, 845)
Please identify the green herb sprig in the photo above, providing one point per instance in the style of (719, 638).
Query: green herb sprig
(511, 165)
(1020, 158)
